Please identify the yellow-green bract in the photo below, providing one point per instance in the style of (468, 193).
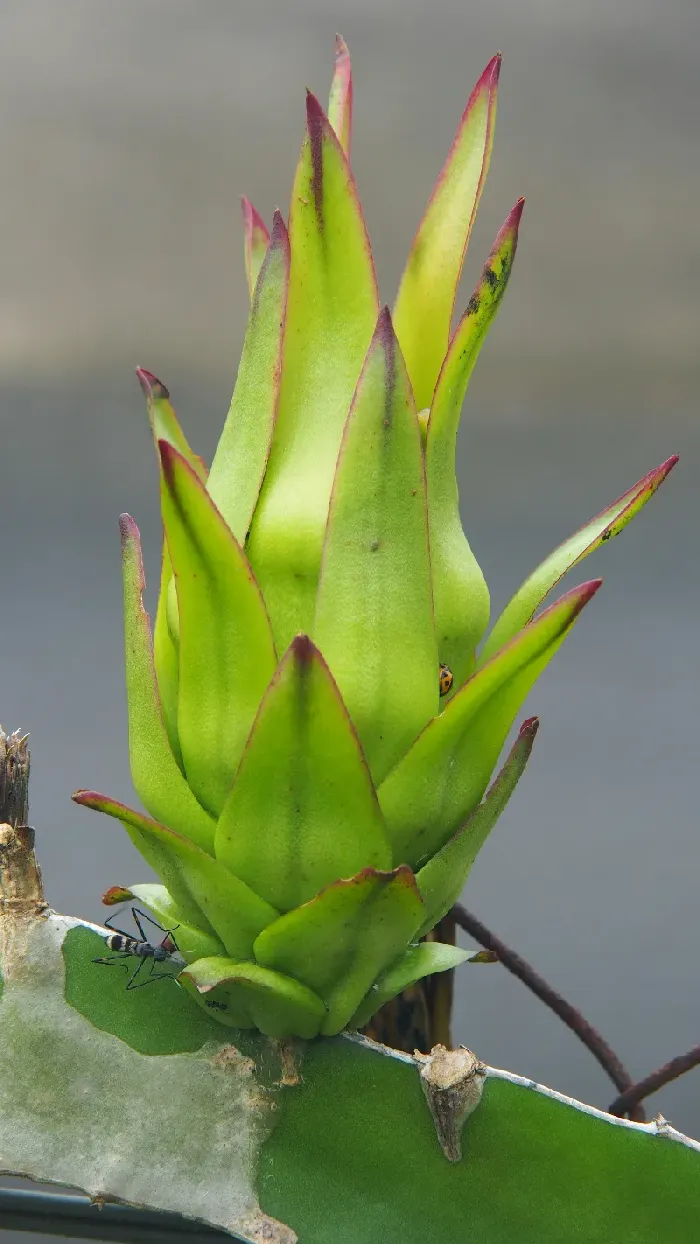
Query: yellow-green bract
(315, 803)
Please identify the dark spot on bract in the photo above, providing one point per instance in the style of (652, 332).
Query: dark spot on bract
(490, 277)
(473, 304)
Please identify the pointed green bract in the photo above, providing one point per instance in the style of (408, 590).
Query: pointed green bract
(426, 297)
(165, 658)
(192, 942)
(154, 850)
(154, 770)
(414, 964)
(374, 613)
(227, 655)
(164, 422)
(255, 242)
(340, 102)
(477, 756)
(254, 997)
(165, 426)
(340, 942)
(441, 881)
(241, 456)
(441, 779)
(331, 313)
(460, 592)
(609, 523)
(196, 881)
(302, 811)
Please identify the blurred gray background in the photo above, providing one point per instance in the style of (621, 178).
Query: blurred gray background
(127, 134)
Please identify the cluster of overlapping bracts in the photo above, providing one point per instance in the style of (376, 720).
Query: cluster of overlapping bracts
(312, 725)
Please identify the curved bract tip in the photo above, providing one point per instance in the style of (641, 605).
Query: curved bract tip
(152, 387)
(127, 526)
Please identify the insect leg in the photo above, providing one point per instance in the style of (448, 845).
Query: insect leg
(114, 960)
(153, 977)
(130, 983)
(115, 928)
(168, 932)
(135, 913)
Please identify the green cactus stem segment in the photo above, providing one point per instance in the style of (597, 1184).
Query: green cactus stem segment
(341, 941)
(241, 456)
(198, 884)
(154, 770)
(432, 789)
(152, 848)
(246, 995)
(441, 881)
(256, 238)
(331, 313)
(416, 963)
(192, 942)
(302, 811)
(227, 654)
(460, 591)
(340, 102)
(609, 523)
(374, 612)
(426, 298)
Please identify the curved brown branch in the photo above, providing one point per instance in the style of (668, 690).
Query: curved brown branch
(599, 1048)
(678, 1066)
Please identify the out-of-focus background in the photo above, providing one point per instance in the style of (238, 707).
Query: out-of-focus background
(127, 134)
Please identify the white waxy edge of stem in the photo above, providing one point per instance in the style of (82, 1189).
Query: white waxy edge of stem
(657, 1127)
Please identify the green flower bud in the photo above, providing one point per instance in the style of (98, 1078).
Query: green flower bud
(311, 727)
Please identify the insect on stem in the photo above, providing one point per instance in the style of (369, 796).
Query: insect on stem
(125, 948)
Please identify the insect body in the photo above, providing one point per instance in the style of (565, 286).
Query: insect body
(446, 679)
(124, 948)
